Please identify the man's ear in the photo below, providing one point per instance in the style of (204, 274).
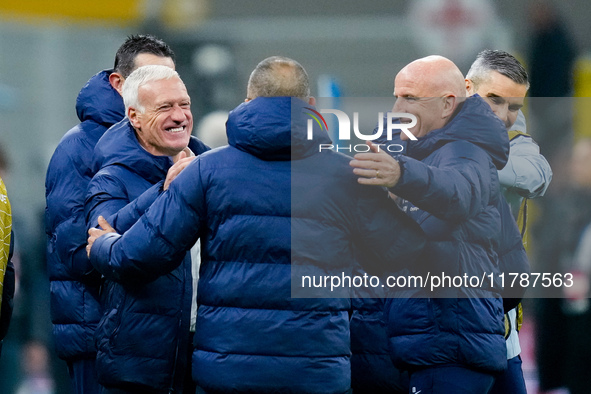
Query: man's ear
(116, 80)
(312, 101)
(132, 114)
(449, 105)
(469, 87)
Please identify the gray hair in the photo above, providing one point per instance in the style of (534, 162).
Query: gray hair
(278, 76)
(500, 61)
(140, 77)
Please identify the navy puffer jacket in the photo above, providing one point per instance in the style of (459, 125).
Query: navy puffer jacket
(372, 369)
(75, 310)
(450, 186)
(263, 207)
(143, 338)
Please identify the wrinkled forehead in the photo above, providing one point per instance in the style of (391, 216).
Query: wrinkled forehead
(162, 90)
(163, 85)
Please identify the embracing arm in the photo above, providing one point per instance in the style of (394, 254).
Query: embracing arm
(123, 217)
(453, 190)
(157, 243)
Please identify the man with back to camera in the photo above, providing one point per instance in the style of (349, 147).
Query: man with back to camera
(267, 200)
(75, 310)
(502, 82)
(143, 338)
(446, 180)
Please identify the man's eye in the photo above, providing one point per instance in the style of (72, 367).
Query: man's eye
(514, 109)
(497, 100)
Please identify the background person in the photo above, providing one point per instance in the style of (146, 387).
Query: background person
(576, 215)
(502, 81)
(7, 274)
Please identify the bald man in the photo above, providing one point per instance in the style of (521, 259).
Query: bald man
(450, 339)
(268, 199)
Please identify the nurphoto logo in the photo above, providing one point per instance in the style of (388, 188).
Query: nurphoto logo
(394, 121)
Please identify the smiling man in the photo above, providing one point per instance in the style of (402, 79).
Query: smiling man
(499, 78)
(143, 339)
(268, 202)
(502, 82)
(74, 290)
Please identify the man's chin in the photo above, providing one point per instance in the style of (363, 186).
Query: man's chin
(178, 142)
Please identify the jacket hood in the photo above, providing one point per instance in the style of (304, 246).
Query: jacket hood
(274, 129)
(99, 102)
(476, 123)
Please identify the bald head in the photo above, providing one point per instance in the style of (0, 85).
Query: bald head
(434, 76)
(278, 76)
(430, 88)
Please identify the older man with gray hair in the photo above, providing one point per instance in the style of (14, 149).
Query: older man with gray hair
(143, 340)
(264, 206)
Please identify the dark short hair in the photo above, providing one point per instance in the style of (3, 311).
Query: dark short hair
(279, 76)
(135, 45)
(500, 61)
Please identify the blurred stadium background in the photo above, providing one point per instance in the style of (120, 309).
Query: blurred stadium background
(49, 49)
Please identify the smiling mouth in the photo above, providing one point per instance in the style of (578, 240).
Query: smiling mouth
(174, 130)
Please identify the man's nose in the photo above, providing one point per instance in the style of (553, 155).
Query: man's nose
(510, 121)
(178, 114)
(511, 118)
(503, 113)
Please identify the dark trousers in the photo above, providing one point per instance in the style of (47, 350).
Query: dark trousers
(450, 379)
(510, 381)
(83, 376)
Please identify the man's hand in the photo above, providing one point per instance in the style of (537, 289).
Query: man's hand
(182, 160)
(376, 168)
(187, 152)
(95, 233)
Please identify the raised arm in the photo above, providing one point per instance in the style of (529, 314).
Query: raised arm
(451, 191)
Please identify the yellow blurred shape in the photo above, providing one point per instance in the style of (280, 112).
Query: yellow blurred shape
(184, 14)
(582, 86)
(114, 11)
